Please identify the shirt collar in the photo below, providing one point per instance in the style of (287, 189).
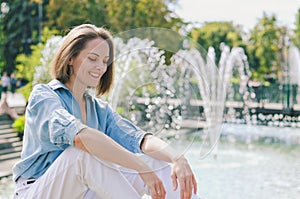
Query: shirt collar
(56, 84)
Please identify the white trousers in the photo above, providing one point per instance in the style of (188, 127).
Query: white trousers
(77, 174)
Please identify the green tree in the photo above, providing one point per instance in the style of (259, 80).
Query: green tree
(263, 48)
(117, 15)
(296, 38)
(62, 14)
(26, 64)
(131, 14)
(22, 24)
(212, 34)
(20, 27)
(123, 18)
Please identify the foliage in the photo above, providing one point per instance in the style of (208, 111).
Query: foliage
(296, 38)
(26, 64)
(117, 15)
(235, 80)
(40, 66)
(131, 14)
(42, 72)
(21, 30)
(263, 47)
(22, 23)
(66, 13)
(19, 123)
(212, 34)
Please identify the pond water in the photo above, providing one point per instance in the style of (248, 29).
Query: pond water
(240, 170)
(249, 171)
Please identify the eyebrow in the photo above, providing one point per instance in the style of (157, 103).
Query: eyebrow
(93, 53)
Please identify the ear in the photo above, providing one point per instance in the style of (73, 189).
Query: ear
(71, 60)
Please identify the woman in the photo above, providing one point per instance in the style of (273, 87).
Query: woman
(76, 146)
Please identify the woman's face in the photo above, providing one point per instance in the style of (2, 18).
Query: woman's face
(91, 63)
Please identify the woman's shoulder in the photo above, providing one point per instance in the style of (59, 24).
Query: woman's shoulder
(40, 89)
(40, 93)
(49, 87)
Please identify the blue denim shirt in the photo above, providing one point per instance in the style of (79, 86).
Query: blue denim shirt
(53, 119)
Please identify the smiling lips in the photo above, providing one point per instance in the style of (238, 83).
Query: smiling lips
(95, 75)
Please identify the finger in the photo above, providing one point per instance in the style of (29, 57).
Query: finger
(161, 191)
(154, 192)
(182, 189)
(174, 182)
(188, 188)
(194, 185)
(181, 193)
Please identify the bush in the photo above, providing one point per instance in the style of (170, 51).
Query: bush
(19, 124)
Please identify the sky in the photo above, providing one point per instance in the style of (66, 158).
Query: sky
(243, 12)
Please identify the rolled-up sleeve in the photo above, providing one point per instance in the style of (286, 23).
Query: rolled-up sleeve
(63, 127)
(50, 119)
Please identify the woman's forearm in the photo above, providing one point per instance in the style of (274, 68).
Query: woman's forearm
(181, 171)
(104, 148)
(159, 149)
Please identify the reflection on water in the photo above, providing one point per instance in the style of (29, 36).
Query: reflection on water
(239, 171)
(249, 171)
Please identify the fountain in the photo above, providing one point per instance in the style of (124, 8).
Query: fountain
(175, 89)
(294, 73)
(191, 91)
(171, 99)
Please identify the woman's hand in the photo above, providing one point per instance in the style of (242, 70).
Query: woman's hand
(182, 172)
(154, 184)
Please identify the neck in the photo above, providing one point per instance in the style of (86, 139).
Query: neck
(77, 89)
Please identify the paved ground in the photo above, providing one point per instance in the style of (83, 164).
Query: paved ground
(6, 168)
(15, 100)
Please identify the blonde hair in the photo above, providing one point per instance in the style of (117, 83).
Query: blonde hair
(73, 44)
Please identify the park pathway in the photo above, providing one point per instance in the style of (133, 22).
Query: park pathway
(10, 146)
(10, 141)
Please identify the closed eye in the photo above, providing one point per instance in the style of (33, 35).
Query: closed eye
(92, 58)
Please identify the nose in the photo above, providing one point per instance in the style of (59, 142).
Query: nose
(101, 66)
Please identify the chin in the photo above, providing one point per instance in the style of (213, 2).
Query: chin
(91, 82)
(93, 85)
